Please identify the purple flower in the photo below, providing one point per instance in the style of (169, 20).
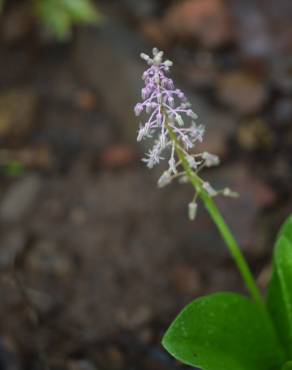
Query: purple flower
(167, 108)
(171, 125)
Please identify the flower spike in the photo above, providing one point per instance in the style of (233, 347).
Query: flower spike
(171, 125)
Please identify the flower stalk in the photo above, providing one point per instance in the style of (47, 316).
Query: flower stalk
(171, 121)
(222, 227)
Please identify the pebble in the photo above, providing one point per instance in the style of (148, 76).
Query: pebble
(20, 198)
(208, 21)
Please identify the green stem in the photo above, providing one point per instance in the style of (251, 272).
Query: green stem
(221, 224)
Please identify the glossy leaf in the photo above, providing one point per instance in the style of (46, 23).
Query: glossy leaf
(224, 331)
(279, 299)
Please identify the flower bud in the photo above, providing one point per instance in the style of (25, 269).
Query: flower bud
(192, 210)
(210, 159)
(164, 179)
(229, 193)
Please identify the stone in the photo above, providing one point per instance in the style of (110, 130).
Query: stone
(20, 198)
(209, 21)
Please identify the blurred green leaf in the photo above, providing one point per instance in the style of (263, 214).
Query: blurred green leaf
(81, 10)
(60, 15)
(2, 3)
(287, 366)
(279, 298)
(55, 17)
(14, 168)
(224, 331)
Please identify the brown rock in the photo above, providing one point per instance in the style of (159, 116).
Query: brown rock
(207, 20)
(20, 198)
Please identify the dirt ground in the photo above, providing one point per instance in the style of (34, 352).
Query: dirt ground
(95, 260)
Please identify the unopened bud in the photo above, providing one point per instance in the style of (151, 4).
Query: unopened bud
(192, 208)
(210, 159)
(179, 120)
(164, 179)
(229, 193)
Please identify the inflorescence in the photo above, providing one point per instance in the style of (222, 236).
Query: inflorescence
(168, 112)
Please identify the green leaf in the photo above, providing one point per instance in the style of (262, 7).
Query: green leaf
(224, 331)
(81, 10)
(60, 15)
(2, 3)
(279, 298)
(55, 17)
(287, 366)
(286, 229)
(14, 168)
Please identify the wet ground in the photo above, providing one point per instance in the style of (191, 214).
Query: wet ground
(95, 261)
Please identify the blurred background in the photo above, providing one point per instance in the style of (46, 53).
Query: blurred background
(95, 261)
